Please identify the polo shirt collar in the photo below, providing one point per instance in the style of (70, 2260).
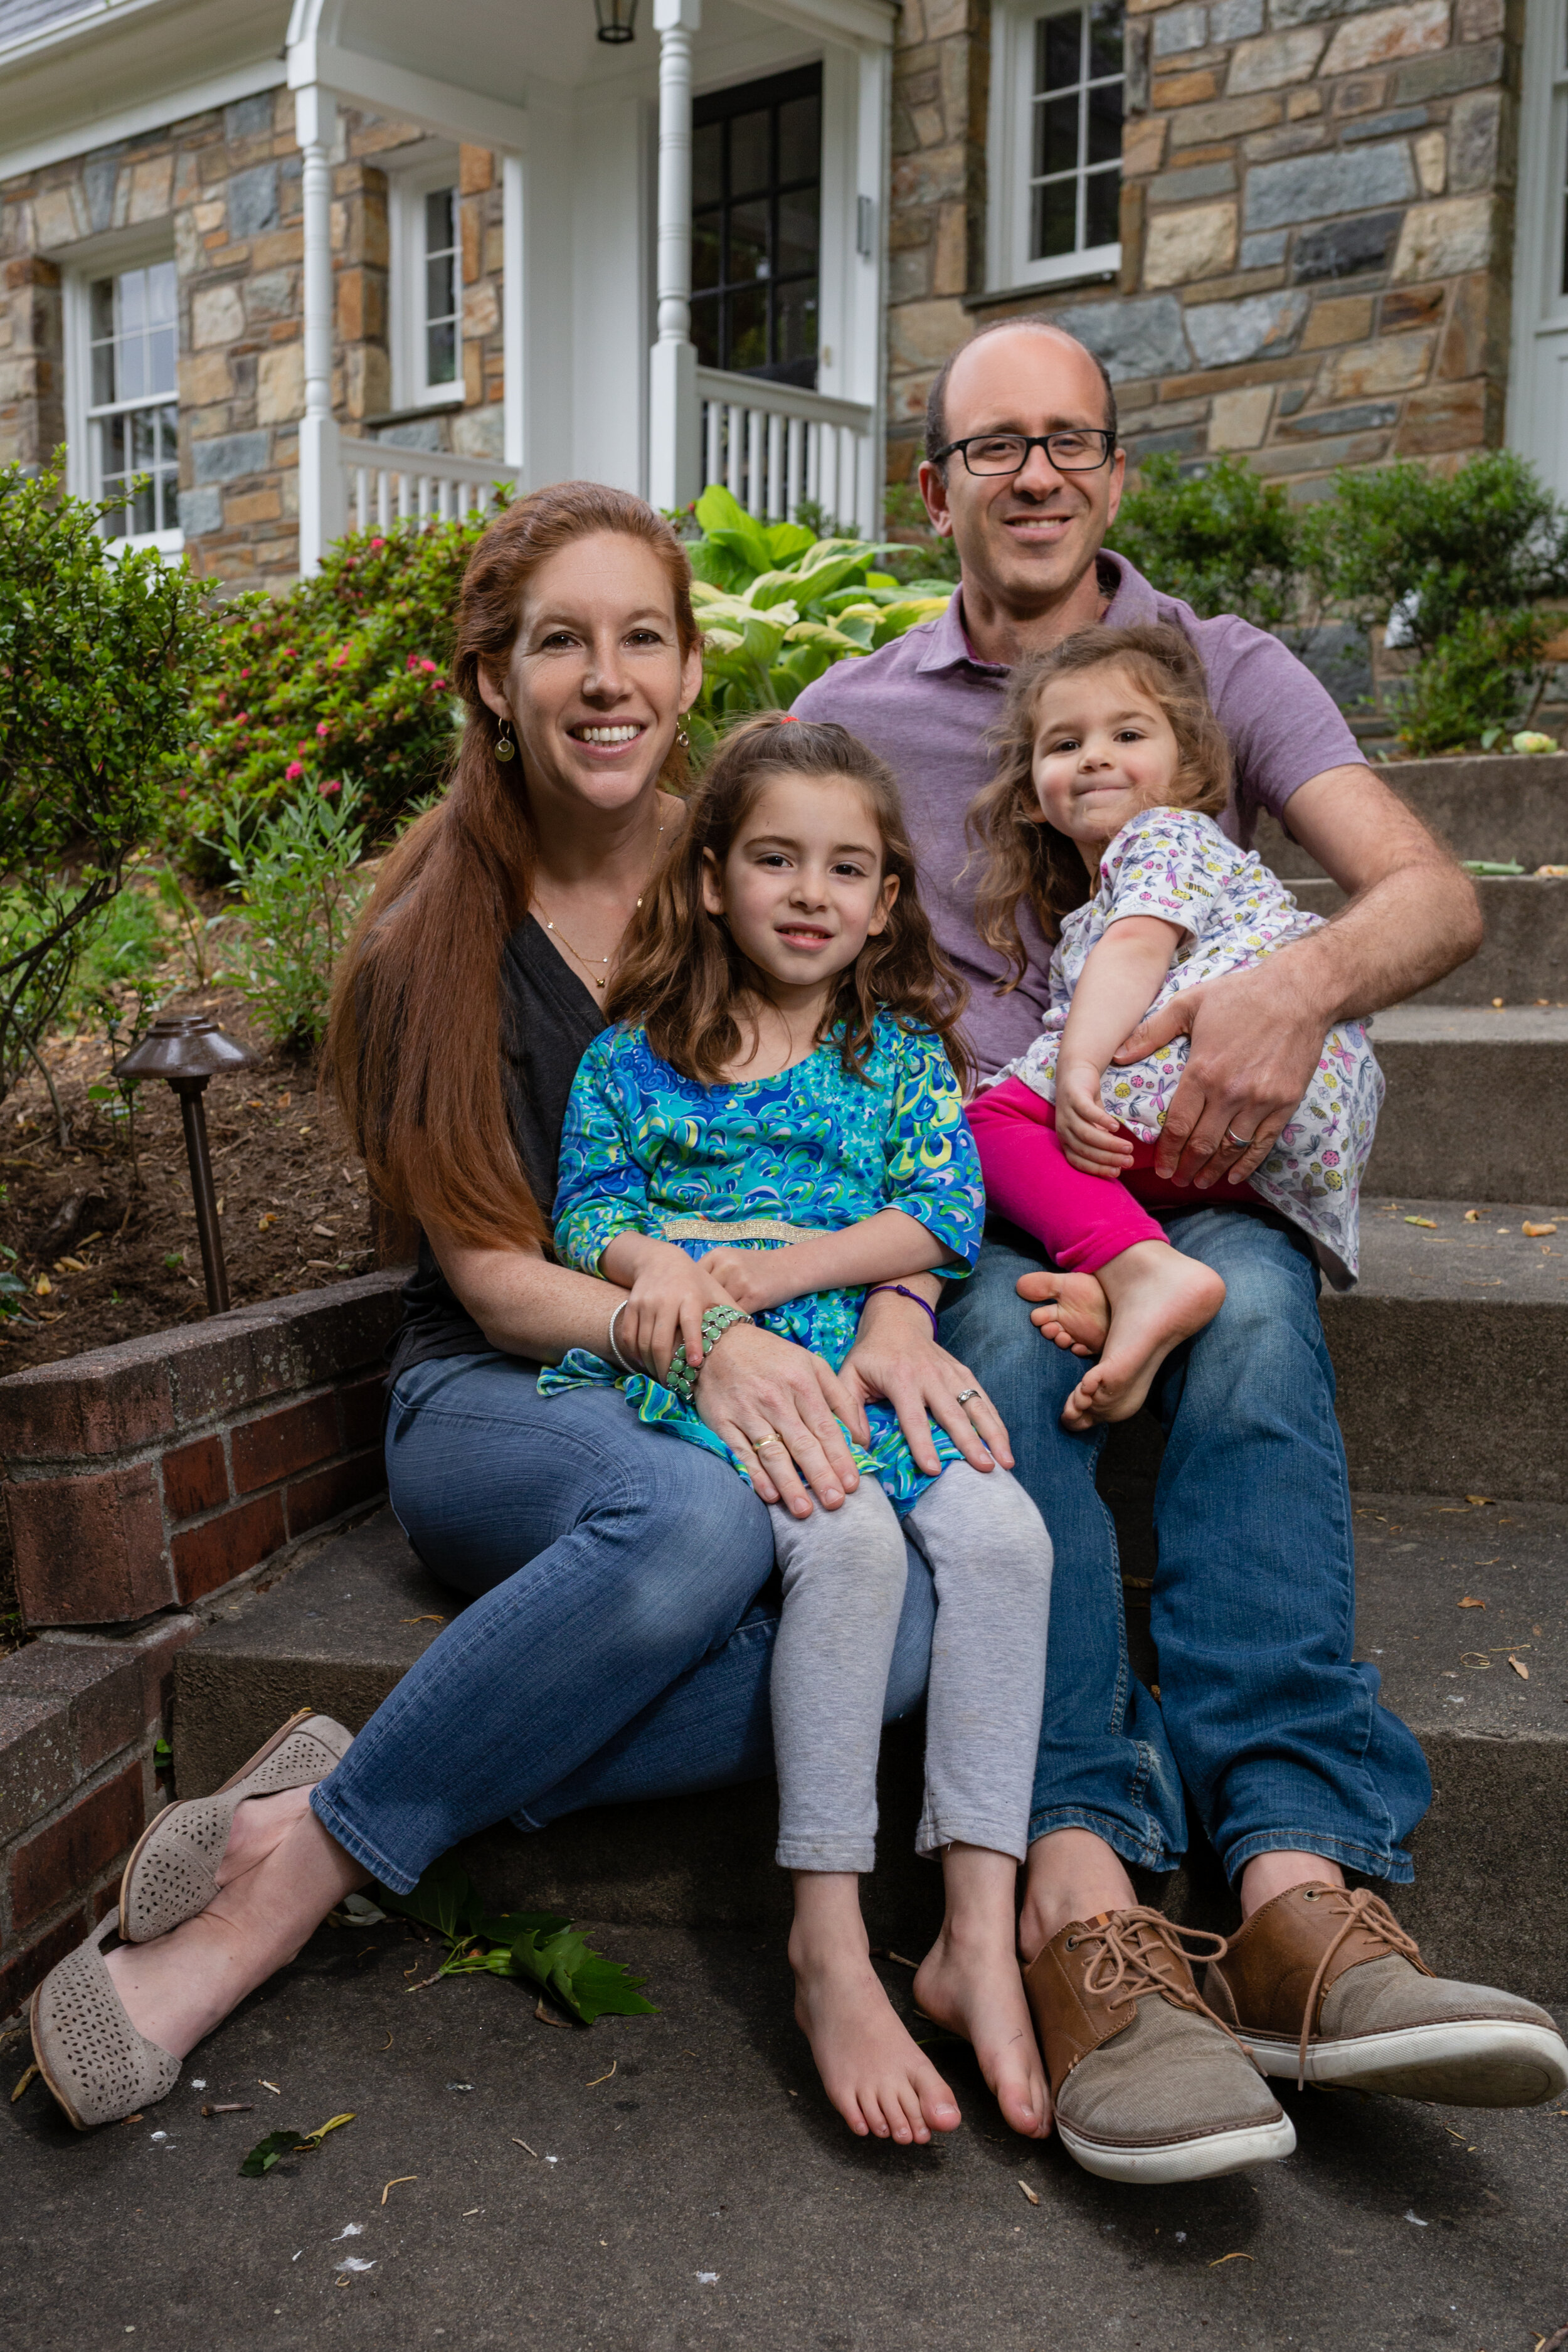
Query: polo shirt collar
(1133, 601)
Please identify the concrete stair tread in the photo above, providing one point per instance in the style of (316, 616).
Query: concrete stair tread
(1472, 1025)
(1524, 956)
(1399, 1260)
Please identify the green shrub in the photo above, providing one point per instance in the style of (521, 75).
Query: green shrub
(340, 685)
(1491, 539)
(1475, 682)
(1220, 538)
(99, 654)
(296, 896)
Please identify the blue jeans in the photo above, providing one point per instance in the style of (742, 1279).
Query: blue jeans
(615, 1646)
(1263, 1713)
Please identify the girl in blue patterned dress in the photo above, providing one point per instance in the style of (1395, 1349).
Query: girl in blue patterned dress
(1112, 772)
(773, 1128)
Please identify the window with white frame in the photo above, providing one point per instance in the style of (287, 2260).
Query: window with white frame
(124, 401)
(426, 290)
(1055, 158)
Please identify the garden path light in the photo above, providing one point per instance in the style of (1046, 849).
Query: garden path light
(186, 1049)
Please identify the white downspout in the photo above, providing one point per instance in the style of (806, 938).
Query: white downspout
(322, 512)
(674, 453)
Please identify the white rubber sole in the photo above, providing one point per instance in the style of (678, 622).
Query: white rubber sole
(1189, 2159)
(1463, 2063)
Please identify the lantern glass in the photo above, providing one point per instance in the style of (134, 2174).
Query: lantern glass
(617, 20)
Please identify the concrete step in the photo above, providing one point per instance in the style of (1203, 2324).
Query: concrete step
(1510, 807)
(1523, 958)
(1478, 1100)
(340, 1632)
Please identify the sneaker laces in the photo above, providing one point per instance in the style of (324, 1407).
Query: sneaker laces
(1371, 1913)
(1123, 1964)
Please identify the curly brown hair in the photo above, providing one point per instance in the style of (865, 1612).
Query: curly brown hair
(682, 974)
(1029, 859)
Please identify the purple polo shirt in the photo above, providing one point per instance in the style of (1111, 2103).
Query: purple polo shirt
(924, 703)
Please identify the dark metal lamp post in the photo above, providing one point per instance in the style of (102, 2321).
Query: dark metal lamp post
(616, 20)
(186, 1049)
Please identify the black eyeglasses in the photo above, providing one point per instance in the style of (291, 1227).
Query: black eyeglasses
(1077, 451)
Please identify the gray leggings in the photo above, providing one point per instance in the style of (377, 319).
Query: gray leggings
(843, 1589)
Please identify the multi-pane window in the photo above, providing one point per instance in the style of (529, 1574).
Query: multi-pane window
(1075, 135)
(439, 325)
(756, 193)
(132, 416)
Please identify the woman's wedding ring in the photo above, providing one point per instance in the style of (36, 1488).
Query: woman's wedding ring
(761, 1444)
(1238, 1142)
(964, 1394)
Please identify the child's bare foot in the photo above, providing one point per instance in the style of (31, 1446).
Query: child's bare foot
(1158, 1298)
(875, 2074)
(970, 1982)
(1073, 1311)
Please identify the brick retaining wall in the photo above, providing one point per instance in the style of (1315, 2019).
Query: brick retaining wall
(140, 1480)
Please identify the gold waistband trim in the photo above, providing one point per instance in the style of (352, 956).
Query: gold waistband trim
(740, 1229)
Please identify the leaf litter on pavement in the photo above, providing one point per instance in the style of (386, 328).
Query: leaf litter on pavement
(539, 1946)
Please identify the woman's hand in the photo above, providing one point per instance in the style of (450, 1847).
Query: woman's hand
(670, 1295)
(1093, 1142)
(778, 1407)
(896, 1359)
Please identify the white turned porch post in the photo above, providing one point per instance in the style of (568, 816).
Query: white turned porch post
(322, 518)
(674, 457)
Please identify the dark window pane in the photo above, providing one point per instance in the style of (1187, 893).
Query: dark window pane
(438, 220)
(706, 247)
(750, 158)
(795, 324)
(800, 140)
(441, 353)
(708, 163)
(799, 241)
(103, 298)
(143, 511)
(705, 331)
(749, 255)
(102, 373)
(439, 288)
(1103, 191)
(144, 437)
(1058, 52)
(1056, 137)
(1054, 227)
(1105, 124)
(749, 329)
(1105, 53)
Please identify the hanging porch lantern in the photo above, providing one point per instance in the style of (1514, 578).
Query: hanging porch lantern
(617, 20)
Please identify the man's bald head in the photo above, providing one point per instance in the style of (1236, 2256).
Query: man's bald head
(1033, 324)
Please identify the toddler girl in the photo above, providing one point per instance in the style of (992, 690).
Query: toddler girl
(774, 1127)
(1113, 768)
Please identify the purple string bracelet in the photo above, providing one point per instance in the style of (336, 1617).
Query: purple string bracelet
(904, 1293)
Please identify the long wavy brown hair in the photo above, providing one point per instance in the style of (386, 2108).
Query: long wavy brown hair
(682, 974)
(414, 1044)
(1030, 861)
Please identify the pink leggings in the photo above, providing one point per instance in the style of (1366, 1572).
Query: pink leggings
(1083, 1221)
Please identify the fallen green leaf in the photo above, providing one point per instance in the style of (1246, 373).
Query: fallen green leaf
(279, 2144)
(539, 1946)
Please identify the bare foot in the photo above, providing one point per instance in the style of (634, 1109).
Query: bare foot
(1158, 1298)
(876, 2076)
(969, 1981)
(1073, 1311)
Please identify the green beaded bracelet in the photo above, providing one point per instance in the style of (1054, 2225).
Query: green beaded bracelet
(680, 1379)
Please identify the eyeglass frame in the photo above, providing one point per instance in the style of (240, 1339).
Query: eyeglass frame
(1032, 441)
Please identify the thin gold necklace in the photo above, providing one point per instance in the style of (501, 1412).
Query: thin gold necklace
(601, 979)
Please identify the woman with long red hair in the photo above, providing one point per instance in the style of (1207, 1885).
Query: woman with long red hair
(612, 1646)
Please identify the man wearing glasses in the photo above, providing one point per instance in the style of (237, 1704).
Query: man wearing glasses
(1296, 1772)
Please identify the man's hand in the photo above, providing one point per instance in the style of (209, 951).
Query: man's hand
(896, 1359)
(1256, 1039)
(778, 1407)
(1093, 1142)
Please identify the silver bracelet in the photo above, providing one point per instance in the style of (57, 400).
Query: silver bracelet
(631, 1370)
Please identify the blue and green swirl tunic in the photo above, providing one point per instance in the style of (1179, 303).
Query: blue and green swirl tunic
(647, 1150)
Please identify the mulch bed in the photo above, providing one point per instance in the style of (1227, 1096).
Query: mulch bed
(106, 1240)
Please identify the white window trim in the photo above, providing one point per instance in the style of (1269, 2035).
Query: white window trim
(1008, 265)
(408, 186)
(105, 258)
(1537, 376)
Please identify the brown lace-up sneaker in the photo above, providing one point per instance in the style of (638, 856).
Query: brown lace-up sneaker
(1325, 1985)
(1148, 2085)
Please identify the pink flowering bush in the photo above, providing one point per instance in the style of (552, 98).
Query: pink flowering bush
(340, 688)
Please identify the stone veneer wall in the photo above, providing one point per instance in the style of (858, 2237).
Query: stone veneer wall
(226, 183)
(1317, 227)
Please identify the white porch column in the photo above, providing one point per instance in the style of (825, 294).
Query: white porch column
(674, 456)
(515, 413)
(322, 512)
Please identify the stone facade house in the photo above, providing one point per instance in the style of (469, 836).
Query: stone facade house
(304, 267)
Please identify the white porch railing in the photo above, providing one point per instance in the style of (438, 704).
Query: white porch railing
(772, 444)
(383, 484)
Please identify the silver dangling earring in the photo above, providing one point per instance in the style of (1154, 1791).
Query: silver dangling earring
(682, 738)
(506, 749)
